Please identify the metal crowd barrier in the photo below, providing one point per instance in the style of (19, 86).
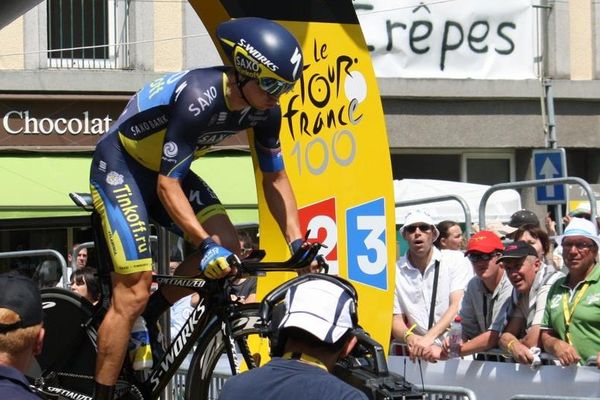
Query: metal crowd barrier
(440, 392)
(547, 397)
(38, 253)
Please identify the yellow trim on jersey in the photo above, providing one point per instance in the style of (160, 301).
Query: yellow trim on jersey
(146, 151)
(225, 90)
(210, 211)
(179, 163)
(206, 213)
(114, 244)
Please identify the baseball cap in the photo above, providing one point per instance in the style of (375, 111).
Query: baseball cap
(484, 242)
(321, 308)
(582, 211)
(581, 227)
(523, 217)
(21, 295)
(416, 217)
(518, 249)
(499, 228)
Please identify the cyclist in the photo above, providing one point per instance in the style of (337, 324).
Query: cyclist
(141, 169)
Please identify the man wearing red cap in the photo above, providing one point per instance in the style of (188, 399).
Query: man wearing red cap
(487, 296)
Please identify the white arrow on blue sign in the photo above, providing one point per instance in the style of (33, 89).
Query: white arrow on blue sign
(548, 164)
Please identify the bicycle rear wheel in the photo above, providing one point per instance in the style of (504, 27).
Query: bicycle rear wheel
(68, 357)
(210, 367)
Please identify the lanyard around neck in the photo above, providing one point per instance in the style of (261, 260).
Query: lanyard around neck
(305, 359)
(568, 312)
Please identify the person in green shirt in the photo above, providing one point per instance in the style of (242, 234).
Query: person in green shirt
(571, 323)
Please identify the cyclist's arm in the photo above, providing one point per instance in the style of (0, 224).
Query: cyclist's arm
(175, 202)
(282, 203)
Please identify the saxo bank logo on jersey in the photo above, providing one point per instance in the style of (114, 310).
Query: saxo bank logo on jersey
(367, 244)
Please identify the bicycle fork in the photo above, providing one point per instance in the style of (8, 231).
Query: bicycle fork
(232, 354)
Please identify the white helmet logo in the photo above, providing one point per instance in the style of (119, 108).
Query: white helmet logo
(170, 149)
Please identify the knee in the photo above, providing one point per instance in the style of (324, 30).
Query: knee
(130, 298)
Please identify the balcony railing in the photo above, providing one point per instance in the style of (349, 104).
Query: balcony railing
(88, 34)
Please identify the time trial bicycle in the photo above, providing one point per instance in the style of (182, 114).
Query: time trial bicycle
(218, 332)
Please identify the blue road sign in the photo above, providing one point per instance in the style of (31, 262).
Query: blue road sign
(550, 163)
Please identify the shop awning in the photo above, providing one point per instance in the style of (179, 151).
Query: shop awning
(37, 186)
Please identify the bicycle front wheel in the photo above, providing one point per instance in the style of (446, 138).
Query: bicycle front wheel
(210, 366)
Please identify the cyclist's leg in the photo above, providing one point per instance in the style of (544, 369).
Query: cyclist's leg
(129, 297)
(119, 202)
(215, 221)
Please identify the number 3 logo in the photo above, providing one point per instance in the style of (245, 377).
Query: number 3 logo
(367, 244)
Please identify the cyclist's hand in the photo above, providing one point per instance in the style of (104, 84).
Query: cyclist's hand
(213, 259)
(298, 245)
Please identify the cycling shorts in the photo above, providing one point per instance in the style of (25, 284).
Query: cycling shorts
(124, 194)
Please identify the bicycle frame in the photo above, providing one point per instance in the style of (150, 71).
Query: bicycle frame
(213, 305)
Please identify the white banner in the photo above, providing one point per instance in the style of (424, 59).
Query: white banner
(461, 39)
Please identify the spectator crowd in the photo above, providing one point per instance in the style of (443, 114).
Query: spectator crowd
(517, 295)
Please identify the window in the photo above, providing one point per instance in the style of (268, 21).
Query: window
(88, 33)
(488, 169)
(483, 168)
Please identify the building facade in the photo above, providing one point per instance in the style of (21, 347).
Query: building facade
(62, 82)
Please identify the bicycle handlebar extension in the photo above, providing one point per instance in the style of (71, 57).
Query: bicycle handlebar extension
(300, 259)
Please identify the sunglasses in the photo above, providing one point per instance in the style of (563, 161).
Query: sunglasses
(474, 257)
(422, 228)
(274, 86)
(579, 245)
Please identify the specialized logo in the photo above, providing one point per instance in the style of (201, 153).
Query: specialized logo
(296, 60)
(178, 344)
(170, 149)
(113, 178)
(252, 53)
(68, 394)
(102, 166)
(48, 304)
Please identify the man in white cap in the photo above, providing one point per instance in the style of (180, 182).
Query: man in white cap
(426, 276)
(315, 331)
(571, 323)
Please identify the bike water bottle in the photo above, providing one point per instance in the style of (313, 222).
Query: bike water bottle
(455, 337)
(140, 352)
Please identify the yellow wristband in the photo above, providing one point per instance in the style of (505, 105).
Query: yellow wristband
(409, 332)
(510, 345)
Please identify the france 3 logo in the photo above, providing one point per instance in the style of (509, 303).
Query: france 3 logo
(367, 244)
(365, 237)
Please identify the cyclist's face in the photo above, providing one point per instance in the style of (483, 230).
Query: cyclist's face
(257, 97)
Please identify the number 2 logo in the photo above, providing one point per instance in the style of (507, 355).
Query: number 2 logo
(320, 219)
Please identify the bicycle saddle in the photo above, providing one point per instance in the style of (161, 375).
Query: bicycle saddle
(83, 200)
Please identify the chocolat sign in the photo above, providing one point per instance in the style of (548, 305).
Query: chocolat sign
(55, 123)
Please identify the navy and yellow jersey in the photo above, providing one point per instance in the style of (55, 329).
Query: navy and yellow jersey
(163, 128)
(178, 117)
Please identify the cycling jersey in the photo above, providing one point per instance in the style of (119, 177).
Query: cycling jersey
(164, 127)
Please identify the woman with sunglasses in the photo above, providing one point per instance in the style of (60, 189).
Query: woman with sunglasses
(141, 170)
